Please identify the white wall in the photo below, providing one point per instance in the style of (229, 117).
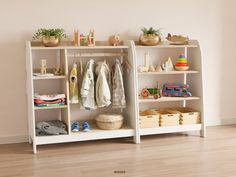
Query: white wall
(212, 22)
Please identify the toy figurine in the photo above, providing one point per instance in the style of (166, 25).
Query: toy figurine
(43, 67)
(159, 69)
(168, 65)
(114, 40)
(57, 71)
(91, 38)
(145, 68)
(177, 39)
(151, 68)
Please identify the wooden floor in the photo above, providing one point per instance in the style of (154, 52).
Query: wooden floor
(175, 155)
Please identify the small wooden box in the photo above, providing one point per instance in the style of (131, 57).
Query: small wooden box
(187, 115)
(149, 121)
(169, 119)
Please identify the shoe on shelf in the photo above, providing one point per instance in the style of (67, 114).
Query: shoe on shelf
(75, 127)
(86, 127)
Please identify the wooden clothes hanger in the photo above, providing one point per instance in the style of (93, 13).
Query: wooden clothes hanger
(126, 62)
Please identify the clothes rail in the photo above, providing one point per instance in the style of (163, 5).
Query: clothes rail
(96, 55)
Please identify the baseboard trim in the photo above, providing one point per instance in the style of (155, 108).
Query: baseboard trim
(228, 121)
(13, 139)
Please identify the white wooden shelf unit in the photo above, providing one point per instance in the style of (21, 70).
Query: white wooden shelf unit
(159, 54)
(64, 56)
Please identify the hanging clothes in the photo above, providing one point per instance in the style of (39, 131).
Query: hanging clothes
(118, 92)
(87, 88)
(103, 94)
(73, 80)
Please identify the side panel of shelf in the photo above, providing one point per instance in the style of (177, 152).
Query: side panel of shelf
(131, 93)
(195, 54)
(30, 90)
(65, 87)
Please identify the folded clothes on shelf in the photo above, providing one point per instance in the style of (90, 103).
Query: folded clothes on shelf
(49, 96)
(54, 127)
(49, 100)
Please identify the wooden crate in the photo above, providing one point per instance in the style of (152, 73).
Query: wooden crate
(149, 121)
(168, 119)
(187, 115)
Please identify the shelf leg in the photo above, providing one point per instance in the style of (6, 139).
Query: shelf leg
(30, 140)
(34, 148)
(136, 139)
(203, 132)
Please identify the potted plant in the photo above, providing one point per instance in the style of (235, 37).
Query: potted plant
(50, 37)
(150, 36)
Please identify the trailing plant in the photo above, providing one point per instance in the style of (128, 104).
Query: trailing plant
(43, 32)
(151, 31)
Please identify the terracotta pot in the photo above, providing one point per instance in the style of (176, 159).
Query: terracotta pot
(149, 39)
(50, 41)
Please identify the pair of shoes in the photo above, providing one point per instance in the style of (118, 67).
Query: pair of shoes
(75, 127)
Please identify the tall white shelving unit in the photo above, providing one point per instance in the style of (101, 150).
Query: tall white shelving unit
(64, 56)
(158, 55)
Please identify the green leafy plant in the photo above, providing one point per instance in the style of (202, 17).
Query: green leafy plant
(151, 31)
(43, 32)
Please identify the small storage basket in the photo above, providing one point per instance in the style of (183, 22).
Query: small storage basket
(187, 115)
(109, 121)
(149, 119)
(168, 118)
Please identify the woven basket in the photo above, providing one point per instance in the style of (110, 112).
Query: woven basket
(109, 121)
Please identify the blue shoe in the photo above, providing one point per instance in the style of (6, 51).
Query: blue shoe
(75, 127)
(86, 127)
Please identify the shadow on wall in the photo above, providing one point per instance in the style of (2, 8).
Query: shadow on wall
(228, 63)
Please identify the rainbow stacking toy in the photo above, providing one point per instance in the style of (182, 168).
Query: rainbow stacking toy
(182, 64)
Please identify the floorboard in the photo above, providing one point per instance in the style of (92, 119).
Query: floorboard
(173, 155)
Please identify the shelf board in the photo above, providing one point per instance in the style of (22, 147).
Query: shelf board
(167, 99)
(166, 44)
(79, 47)
(52, 107)
(47, 78)
(94, 134)
(37, 45)
(169, 72)
(170, 129)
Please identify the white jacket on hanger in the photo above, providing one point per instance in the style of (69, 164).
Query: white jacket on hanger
(87, 88)
(118, 91)
(103, 95)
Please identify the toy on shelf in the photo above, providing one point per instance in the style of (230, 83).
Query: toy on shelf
(176, 90)
(151, 93)
(159, 68)
(145, 68)
(85, 40)
(114, 40)
(177, 39)
(91, 38)
(182, 64)
(42, 71)
(76, 37)
(168, 65)
(57, 71)
(152, 68)
(43, 67)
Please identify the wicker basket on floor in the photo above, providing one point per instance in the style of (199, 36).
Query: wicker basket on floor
(109, 121)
